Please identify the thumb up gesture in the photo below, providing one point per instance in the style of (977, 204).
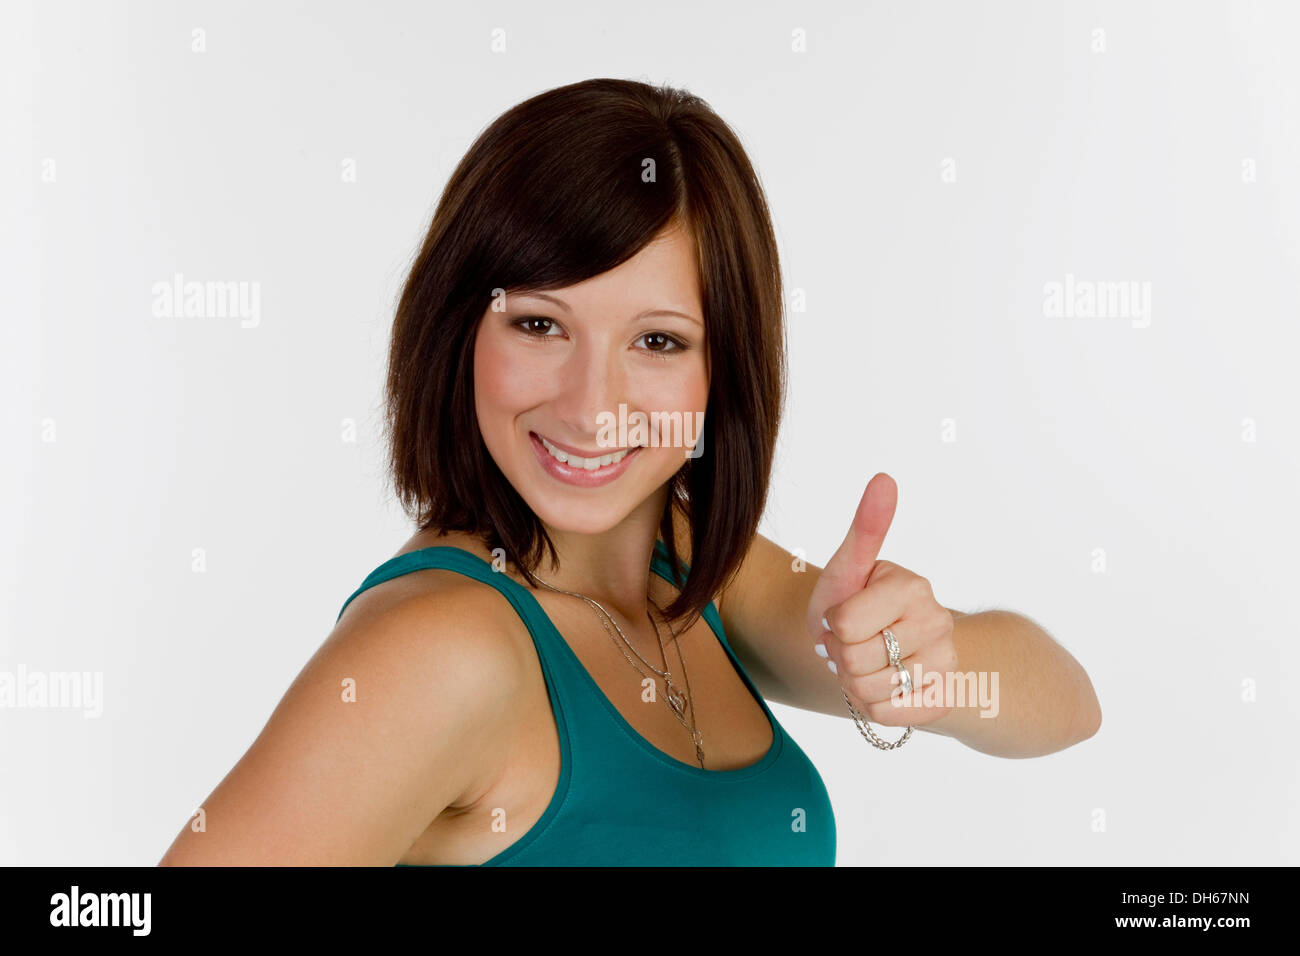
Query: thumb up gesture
(857, 597)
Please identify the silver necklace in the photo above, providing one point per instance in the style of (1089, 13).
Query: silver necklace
(677, 702)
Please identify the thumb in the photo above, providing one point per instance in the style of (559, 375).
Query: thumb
(847, 571)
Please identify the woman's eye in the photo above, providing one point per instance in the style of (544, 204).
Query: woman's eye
(527, 325)
(661, 342)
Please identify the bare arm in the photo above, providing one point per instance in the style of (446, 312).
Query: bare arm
(1042, 700)
(1046, 700)
(336, 782)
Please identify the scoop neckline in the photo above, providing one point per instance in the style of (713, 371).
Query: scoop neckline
(657, 558)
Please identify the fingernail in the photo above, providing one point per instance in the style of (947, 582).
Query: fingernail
(820, 648)
(834, 670)
(825, 626)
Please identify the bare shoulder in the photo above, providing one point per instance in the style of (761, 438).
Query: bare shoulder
(400, 714)
(427, 614)
(453, 642)
(425, 617)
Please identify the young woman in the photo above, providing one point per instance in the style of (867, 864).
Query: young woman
(567, 664)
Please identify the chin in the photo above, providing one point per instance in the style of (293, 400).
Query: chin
(578, 518)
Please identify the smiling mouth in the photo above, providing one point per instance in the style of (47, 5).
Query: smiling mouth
(580, 461)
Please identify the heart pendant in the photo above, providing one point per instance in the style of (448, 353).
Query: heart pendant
(676, 702)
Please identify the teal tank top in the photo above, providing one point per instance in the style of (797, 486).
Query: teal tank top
(621, 801)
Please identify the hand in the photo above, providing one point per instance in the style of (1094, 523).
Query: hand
(858, 597)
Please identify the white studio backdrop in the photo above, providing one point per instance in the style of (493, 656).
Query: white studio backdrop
(937, 173)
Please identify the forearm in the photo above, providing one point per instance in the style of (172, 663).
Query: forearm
(1040, 701)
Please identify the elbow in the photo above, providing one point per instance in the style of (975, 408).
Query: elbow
(1089, 720)
(1094, 725)
(1087, 709)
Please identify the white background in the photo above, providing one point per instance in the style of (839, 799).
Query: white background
(1076, 438)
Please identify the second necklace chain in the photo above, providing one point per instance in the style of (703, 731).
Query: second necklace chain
(677, 702)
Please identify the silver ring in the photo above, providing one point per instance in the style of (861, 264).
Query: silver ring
(891, 645)
(905, 679)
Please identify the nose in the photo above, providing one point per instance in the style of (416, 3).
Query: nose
(592, 384)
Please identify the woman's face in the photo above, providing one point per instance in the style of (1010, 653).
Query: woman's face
(555, 370)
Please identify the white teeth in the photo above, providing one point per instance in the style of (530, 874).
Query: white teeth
(587, 464)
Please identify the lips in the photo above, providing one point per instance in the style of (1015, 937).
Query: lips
(573, 472)
(592, 461)
(569, 449)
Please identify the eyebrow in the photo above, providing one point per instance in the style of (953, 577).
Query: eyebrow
(640, 315)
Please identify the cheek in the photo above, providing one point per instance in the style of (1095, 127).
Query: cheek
(683, 388)
(687, 392)
(699, 399)
(487, 364)
(491, 387)
(685, 395)
(495, 384)
(507, 377)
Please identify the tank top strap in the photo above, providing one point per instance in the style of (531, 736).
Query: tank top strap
(449, 558)
(660, 565)
(556, 668)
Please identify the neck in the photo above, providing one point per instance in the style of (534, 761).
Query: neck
(611, 568)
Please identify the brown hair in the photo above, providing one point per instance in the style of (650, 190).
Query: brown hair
(552, 193)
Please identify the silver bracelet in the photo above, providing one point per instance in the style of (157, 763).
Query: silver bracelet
(891, 644)
(871, 734)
